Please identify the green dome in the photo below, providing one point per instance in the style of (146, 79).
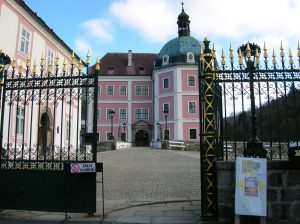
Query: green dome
(178, 51)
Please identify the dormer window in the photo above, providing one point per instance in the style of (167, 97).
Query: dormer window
(190, 58)
(165, 60)
(111, 68)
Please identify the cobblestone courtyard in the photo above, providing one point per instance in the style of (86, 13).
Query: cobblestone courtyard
(145, 174)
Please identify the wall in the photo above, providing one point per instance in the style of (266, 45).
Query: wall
(283, 192)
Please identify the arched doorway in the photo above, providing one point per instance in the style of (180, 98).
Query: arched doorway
(142, 138)
(45, 135)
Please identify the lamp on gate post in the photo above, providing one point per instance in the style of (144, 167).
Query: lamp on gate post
(124, 132)
(251, 52)
(166, 113)
(111, 113)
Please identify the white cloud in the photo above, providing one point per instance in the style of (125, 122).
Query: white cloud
(100, 29)
(82, 46)
(155, 20)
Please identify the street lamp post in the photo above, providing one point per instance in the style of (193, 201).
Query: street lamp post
(111, 113)
(159, 132)
(166, 113)
(251, 52)
(124, 132)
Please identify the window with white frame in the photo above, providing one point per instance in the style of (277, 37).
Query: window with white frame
(123, 113)
(110, 90)
(145, 114)
(108, 136)
(50, 59)
(20, 120)
(99, 90)
(193, 133)
(108, 113)
(138, 114)
(145, 90)
(138, 90)
(192, 107)
(123, 90)
(191, 80)
(166, 107)
(166, 83)
(24, 41)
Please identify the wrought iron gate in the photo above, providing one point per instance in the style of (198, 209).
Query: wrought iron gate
(47, 122)
(250, 109)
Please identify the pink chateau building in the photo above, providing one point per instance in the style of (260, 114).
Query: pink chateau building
(151, 96)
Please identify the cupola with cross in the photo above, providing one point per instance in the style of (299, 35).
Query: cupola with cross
(183, 23)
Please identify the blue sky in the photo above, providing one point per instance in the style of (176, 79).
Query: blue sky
(145, 26)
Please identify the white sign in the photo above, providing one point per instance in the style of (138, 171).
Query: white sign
(251, 186)
(83, 167)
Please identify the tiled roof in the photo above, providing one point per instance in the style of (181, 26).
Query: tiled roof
(117, 64)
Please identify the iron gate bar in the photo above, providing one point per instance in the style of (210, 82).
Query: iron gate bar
(33, 168)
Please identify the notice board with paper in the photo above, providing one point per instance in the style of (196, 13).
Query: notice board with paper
(251, 186)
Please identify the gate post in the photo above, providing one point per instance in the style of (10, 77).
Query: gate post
(208, 149)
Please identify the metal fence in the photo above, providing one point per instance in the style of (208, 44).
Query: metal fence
(273, 107)
(44, 116)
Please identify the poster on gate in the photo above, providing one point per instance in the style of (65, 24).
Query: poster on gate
(251, 186)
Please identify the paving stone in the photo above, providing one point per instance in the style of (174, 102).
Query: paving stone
(179, 213)
(149, 214)
(173, 220)
(133, 220)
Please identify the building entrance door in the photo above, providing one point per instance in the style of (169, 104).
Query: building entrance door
(142, 138)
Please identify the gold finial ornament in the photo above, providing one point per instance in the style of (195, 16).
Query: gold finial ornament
(223, 62)
(265, 51)
(20, 68)
(206, 39)
(34, 67)
(240, 57)
(28, 62)
(291, 57)
(248, 51)
(231, 55)
(97, 68)
(49, 70)
(214, 55)
(64, 68)
(14, 64)
(274, 58)
(80, 65)
(56, 60)
(281, 50)
(88, 57)
(257, 55)
(42, 61)
(73, 58)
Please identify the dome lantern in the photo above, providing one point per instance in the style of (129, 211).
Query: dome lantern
(183, 23)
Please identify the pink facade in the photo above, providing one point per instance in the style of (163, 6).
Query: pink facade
(163, 78)
(166, 100)
(187, 106)
(142, 90)
(115, 90)
(142, 111)
(186, 77)
(187, 126)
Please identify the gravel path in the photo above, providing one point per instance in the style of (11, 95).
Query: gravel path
(150, 174)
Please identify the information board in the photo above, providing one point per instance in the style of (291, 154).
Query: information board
(251, 186)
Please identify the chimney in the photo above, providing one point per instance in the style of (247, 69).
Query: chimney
(129, 58)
